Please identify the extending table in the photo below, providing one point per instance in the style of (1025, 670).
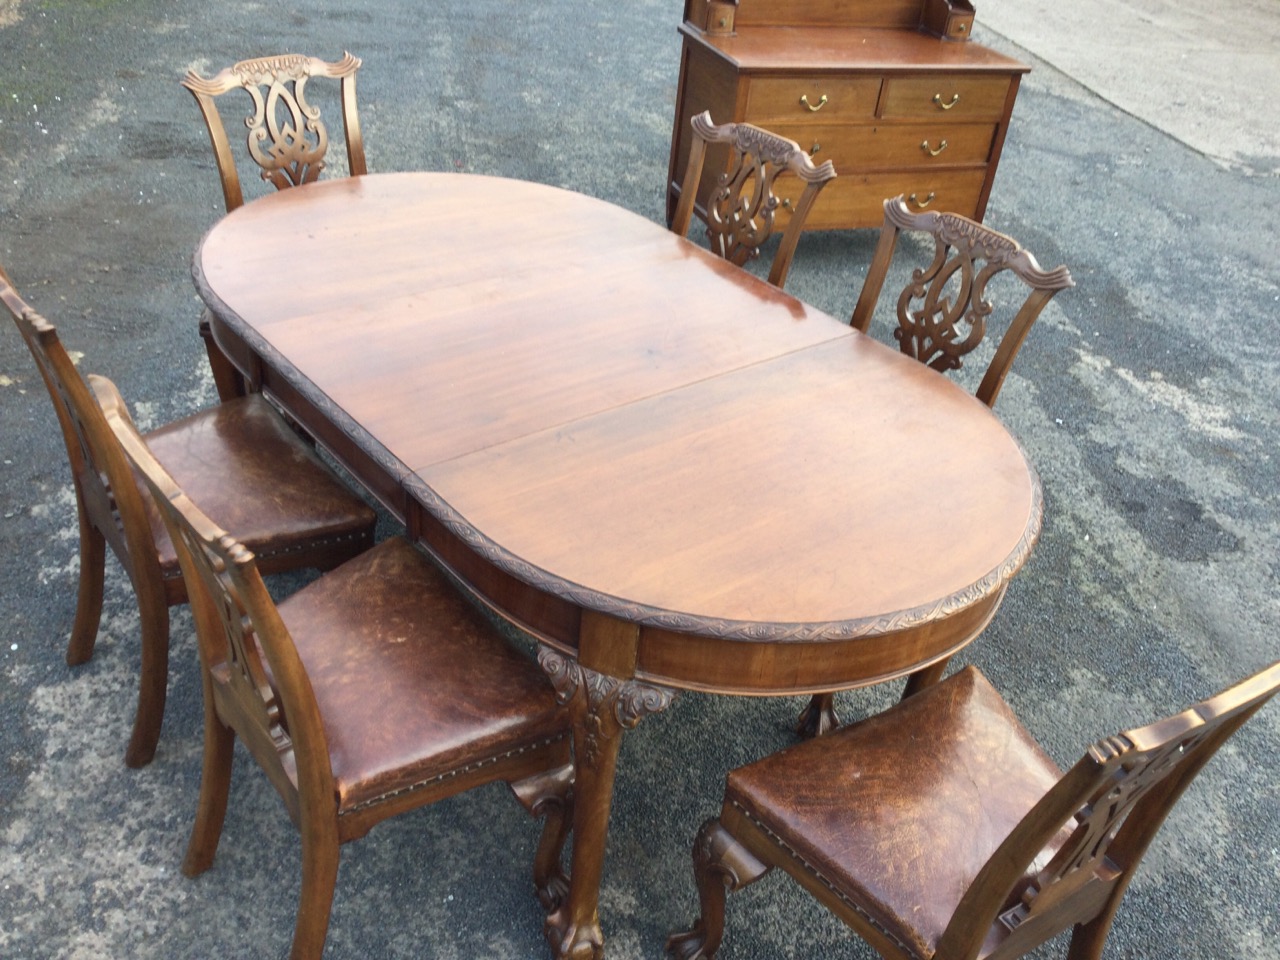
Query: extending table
(668, 472)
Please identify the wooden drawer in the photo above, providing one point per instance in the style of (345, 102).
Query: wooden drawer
(876, 146)
(825, 98)
(954, 96)
(857, 200)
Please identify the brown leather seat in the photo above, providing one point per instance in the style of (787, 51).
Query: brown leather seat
(262, 481)
(372, 691)
(254, 473)
(952, 761)
(450, 692)
(939, 829)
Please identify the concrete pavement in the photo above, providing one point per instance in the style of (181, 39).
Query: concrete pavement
(1206, 74)
(1147, 398)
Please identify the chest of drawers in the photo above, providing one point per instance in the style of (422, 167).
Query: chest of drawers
(896, 109)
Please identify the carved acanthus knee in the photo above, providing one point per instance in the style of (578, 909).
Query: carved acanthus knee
(608, 705)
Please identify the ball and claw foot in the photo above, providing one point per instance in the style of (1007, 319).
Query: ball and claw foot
(573, 941)
(819, 717)
(553, 892)
(690, 945)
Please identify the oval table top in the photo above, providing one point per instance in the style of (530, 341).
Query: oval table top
(588, 418)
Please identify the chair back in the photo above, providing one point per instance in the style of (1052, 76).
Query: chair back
(943, 312)
(286, 137)
(742, 205)
(107, 495)
(250, 667)
(1097, 821)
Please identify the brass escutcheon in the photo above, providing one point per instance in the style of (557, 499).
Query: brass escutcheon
(822, 102)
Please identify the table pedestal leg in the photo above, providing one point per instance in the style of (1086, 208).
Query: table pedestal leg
(601, 707)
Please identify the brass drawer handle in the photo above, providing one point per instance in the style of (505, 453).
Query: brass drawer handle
(813, 151)
(822, 102)
(922, 203)
(924, 145)
(955, 98)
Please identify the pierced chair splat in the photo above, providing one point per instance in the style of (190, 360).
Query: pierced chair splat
(742, 204)
(253, 471)
(371, 692)
(286, 137)
(940, 830)
(286, 140)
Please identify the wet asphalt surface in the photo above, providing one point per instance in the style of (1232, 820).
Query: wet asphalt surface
(1147, 397)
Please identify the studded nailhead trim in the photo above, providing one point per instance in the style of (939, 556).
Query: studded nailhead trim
(817, 875)
(451, 774)
(312, 544)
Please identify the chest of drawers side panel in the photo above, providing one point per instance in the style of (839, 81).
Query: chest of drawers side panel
(707, 82)
(997, 146)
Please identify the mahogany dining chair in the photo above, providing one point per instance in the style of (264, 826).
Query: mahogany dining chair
(373, 691)
(742, 204)
(943, 312)
(287, 141)
(254, 473)
(940, 830)
(942, 316)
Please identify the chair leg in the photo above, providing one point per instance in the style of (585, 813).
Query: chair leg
(215, 785)
(319, 878)
(720, 864)
(549, 795)
(153, 679)
(1088, 939)
(93, 560)
(819, 716)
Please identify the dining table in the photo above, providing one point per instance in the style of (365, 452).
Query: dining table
(668, 473)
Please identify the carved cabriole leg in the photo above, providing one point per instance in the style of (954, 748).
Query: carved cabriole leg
(925, 678)
(819, 716)
(215, 785)
(601, 708)
(153, 676)
(720, 864)
(549, 795)
(93, 559)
